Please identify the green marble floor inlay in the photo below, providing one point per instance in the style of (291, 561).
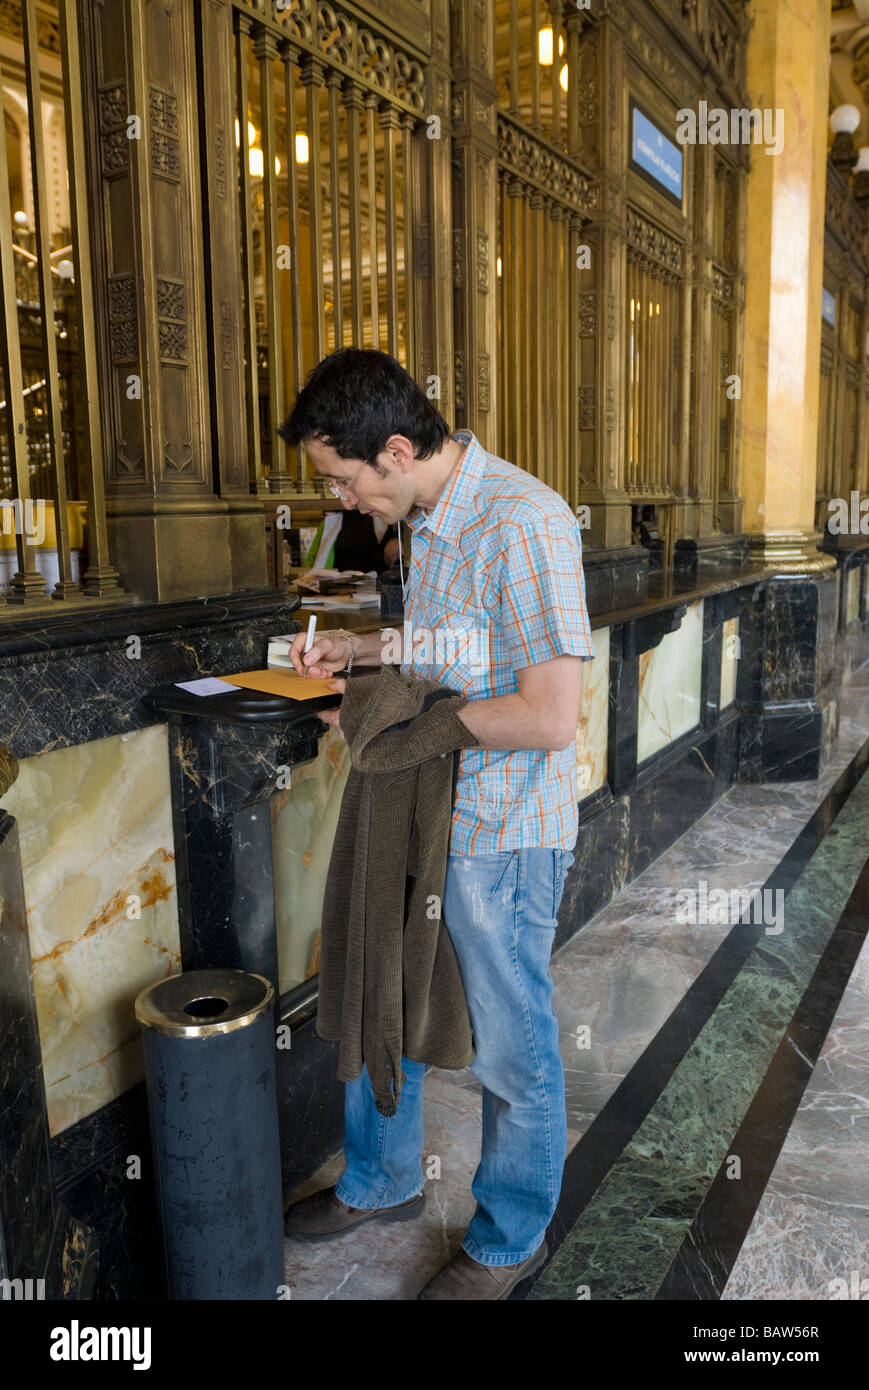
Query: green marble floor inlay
(628, 1235)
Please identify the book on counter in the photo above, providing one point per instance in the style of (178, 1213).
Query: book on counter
(279, 653)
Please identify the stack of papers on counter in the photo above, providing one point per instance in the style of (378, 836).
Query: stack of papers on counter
(362, 598)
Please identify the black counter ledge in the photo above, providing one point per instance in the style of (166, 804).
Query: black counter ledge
(668, 588)
(32, 633)
(74, 678)
(665, 589)
(241, 706)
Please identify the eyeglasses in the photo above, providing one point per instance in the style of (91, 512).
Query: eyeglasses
(340, 490)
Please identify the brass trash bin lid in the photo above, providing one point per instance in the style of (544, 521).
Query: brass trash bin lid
(202, 1003)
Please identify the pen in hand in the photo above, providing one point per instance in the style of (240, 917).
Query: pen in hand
(309, 640)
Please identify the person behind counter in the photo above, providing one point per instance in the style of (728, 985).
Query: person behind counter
(497, 551)
(350, 541)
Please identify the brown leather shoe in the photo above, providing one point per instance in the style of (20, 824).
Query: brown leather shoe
(465, 1278)
(323, 1215)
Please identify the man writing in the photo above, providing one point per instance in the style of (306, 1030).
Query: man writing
(495, 554)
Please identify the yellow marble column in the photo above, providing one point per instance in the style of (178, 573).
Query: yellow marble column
(788, 74)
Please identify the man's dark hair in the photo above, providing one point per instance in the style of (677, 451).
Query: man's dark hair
(355, 399)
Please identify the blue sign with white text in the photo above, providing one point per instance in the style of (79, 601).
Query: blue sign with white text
(659, 157)
(828, 307)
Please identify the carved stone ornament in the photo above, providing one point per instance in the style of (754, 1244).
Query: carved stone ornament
(482, 261)
(227, 335)
(112, 115)
(443, 253)
(722, 289)
(654, 55)
(484, 381)
(219, 138)
(587, 314)
(536, 164)
(458, 258)
(123, 327)
(481, 110)
(422, 250)
(845, 218)
(587, 100)
(47, 25)
(459, 370)
(328, 31)
(648, 244)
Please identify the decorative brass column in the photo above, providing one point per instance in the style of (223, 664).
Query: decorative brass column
(475, 211)
(601, 286)
(432, 173)
(788, 60)
(170, 533)
(226, 339)
(709, 485)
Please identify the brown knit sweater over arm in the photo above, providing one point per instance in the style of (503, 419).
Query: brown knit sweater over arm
(390, 983)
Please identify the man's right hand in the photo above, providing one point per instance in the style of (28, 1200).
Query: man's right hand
(329, 653)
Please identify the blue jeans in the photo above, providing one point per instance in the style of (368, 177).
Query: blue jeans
(501, 912)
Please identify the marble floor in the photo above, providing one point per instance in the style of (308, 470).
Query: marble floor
(809, 1238)
(672, 1035)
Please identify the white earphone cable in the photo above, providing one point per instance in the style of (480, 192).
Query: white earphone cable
(401, 565)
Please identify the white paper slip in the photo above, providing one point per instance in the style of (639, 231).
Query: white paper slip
(208, 685)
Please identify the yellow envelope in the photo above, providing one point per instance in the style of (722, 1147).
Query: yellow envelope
(288, 683)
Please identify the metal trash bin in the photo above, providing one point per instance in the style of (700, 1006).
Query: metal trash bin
(209, 1038)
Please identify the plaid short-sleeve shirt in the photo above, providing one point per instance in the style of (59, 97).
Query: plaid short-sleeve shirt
(496, 584)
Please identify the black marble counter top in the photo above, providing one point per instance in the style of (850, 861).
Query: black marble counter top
(669, 587)
(666, 588)
(71, 677)
(28, 634)
(76, 677)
